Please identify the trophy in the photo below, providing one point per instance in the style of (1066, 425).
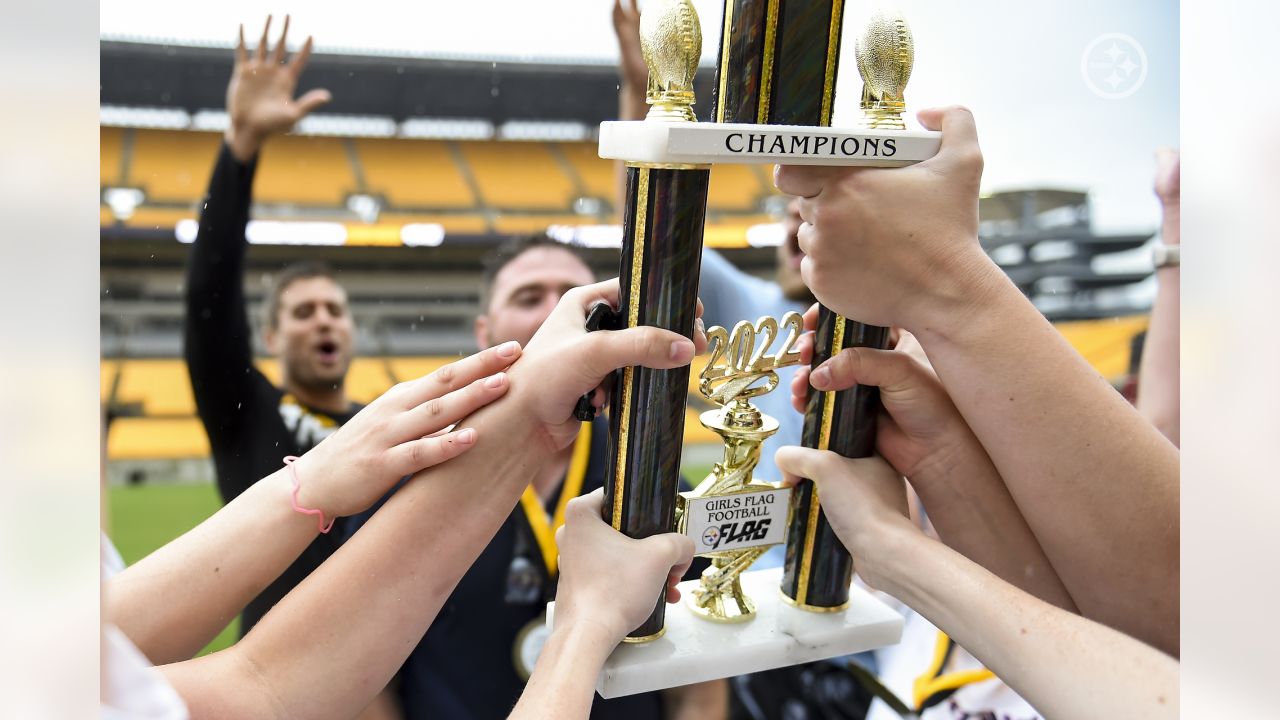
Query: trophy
(775, 88)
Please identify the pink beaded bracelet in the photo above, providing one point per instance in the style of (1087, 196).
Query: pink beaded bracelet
(297, 485)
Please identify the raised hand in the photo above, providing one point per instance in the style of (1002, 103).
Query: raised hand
(626, 25)
(563, 361)
(608, 579)
(895, 246)
(402, 432)
(260, 100)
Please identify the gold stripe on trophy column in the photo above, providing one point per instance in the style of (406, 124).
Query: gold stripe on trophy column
(721, 101)
(766, 61)
(633, 319)
(824, 443)
(833, 41)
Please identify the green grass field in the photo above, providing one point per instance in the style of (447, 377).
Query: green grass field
(147, 516)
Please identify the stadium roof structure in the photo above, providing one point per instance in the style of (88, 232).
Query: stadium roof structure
(194, 79)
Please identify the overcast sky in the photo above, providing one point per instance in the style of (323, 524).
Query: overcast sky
(1042, 106)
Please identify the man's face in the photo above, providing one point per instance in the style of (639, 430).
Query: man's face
(313, 333)
(790, 255)
(524, 293)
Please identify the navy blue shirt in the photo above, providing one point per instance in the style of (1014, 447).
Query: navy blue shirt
(464, 667)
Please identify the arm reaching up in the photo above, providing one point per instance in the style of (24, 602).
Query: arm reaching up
(1030, 644)
(592, 617)
(1097, 484)
(367, 605)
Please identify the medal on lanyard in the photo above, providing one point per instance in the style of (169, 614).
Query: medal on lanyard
(526, 583)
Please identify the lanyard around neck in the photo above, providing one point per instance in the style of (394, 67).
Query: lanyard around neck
(933, 687)
(544, 532)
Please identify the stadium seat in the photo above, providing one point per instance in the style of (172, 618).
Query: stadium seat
(156, 439)
(162, 387)
(596, 173)
(514, 224)
(411, 368)
(160, 218)
(111, 153)
(518, 176)
(300, 170)
(461, 224)
(108, 370)
(413, 173)
(1106, 344)
(173, 166)
(735, 188)
(367, 379)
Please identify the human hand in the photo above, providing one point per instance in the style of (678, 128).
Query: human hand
(260, 99)
(606, 578)
(865, 501)
(626, 25)
(895, 246)
(920, 432)
(1168, 183)
(563, 361)
(401, 433)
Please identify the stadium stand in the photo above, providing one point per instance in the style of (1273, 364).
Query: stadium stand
(414, 174)
(306, 171)
(411, 261)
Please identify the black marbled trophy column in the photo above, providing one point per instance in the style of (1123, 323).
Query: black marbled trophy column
(778, 66)
(661, 258)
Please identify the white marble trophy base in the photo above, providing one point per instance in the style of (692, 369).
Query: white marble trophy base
(747, 144)
(694, 650)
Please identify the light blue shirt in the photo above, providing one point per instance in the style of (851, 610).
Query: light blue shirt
(728, 296)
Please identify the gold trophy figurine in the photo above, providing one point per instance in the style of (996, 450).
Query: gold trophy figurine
(731, 518)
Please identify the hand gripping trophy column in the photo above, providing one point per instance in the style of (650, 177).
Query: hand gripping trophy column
(775, 96)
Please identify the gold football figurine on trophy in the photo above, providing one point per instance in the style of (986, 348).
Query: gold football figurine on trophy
(732, 518)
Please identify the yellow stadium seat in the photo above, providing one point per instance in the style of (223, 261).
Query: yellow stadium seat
(731, 231)
(1105, 343)
(367, 379)
(734, 188)
(173, 165)
(522, 224)
(597, 174)
(156, 439)
(304, 171)
(412, 368)
(464, 224)
(110, 154)
(162, 387)
(108, 369)
(413, 173)
(518, 175)
(160, 218)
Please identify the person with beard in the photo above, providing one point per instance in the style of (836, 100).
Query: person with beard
(474, 661)
(251, 423)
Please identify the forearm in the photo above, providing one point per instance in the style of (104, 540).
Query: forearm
(216, 340)
(702, 701)
(1096, 483)
(563, 683)
(336, 639)
(631, 106)
(1159, 394)
(177, 599)
(974, 514)
(1031, 645)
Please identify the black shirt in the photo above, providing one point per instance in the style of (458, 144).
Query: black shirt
(464, 669)
(251, 423)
